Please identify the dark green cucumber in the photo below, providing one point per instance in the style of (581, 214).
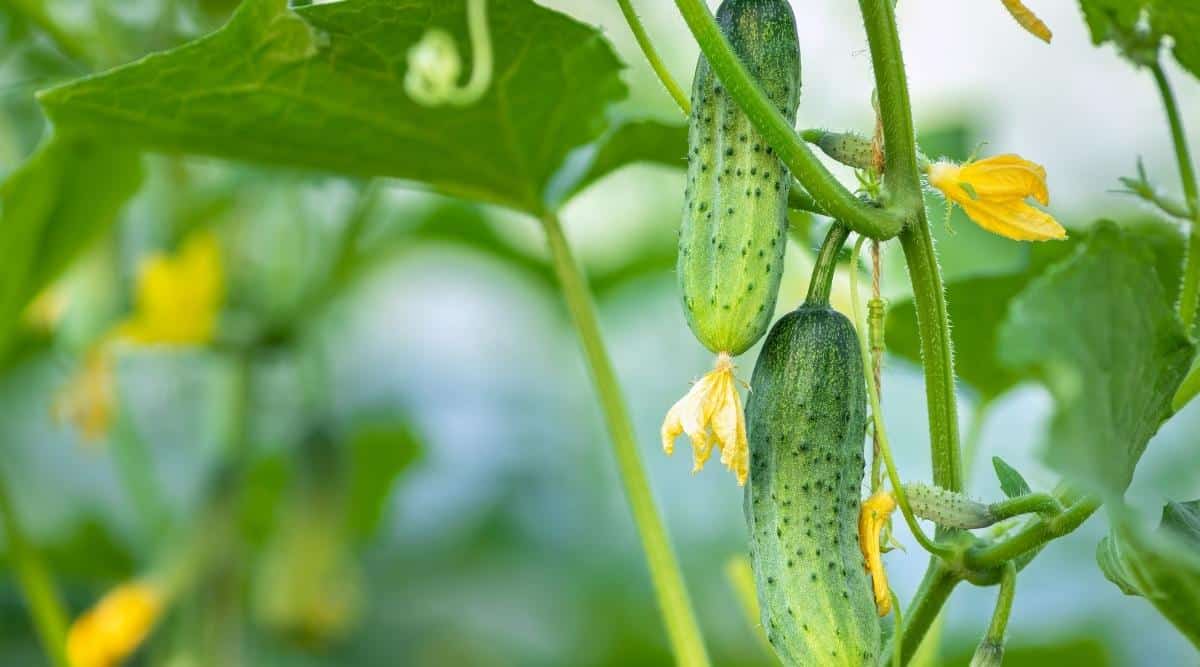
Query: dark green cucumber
(734, 228)
(807, 419)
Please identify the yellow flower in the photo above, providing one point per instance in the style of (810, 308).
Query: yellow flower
(711, 414)
(1028, 20)
(178, 298)
(113, 629)
(992, 192)
(874, 514)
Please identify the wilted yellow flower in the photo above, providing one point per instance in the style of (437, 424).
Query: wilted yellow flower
(87, 401)
(711, 414)
(874, 514)
(992, 192)
(178, 297)
(1028, 20)
(113, 629)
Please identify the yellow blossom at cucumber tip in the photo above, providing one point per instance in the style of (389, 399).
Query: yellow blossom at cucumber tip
(112, 630)
(992, 192)
(711, 415)
(87, 401)
(874, 513)
(178, 297)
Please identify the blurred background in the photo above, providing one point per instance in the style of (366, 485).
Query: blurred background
(418, 473)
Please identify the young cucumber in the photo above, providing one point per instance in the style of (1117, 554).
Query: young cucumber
(735, 214)
(807, 419)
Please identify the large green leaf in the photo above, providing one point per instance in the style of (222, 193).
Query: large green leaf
(1162, 566)
(54, 204)
(323, 87)
(633, 140)
(1099, 331)
(978, 306)
(1120, 22)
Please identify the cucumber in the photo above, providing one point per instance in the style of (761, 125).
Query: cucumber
(807, 420)
(732, 239)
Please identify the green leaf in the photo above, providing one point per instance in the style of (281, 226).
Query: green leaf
(1119, 21)
(630, 142)
(60, 199)
(1181, 20)
(323, 87)
(380, 450)
(978, 305)
(1099, 331)
(1162, 566)
(1011, 481)
(1183, 521)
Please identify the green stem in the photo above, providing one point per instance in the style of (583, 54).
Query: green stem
(45, 608)
(135, 468)
(885, 448)
(933, 324)
(643, 40)
(931, 596)
(825, 189)
(903, 181)
(1035, 534)
(1004, 602)
(35, 12)
(821, 282)
(897, 659)
(682, 629)
(1191, 268)
(800, 200)
(891, 85)
(1032, 503)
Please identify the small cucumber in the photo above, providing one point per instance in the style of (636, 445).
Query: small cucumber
(807, 420)
(734, 228)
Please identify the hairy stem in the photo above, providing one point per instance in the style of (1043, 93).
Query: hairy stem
(33, 576)
(1032, 503)
(931, 596)
(1191, 268)
(652, 57)
(1004, 602)
(891, 85)
(877, 420)
(682, 629)
(1033, 536)
(822, 274)
(903, 181)
(825, 189)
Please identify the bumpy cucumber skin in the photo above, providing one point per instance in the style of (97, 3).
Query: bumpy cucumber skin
(734, 228)
(807, 419)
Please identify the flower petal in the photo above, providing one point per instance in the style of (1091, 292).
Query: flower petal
(1014, 219)
(1006, 176)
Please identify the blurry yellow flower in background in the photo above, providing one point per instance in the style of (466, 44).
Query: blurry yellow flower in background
(993, 191)
(87, 400)
(177, 301)
(178, 297)
(114, 628)
(711, 413)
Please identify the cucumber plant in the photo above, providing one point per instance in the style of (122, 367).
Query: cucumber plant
(1105, 317)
